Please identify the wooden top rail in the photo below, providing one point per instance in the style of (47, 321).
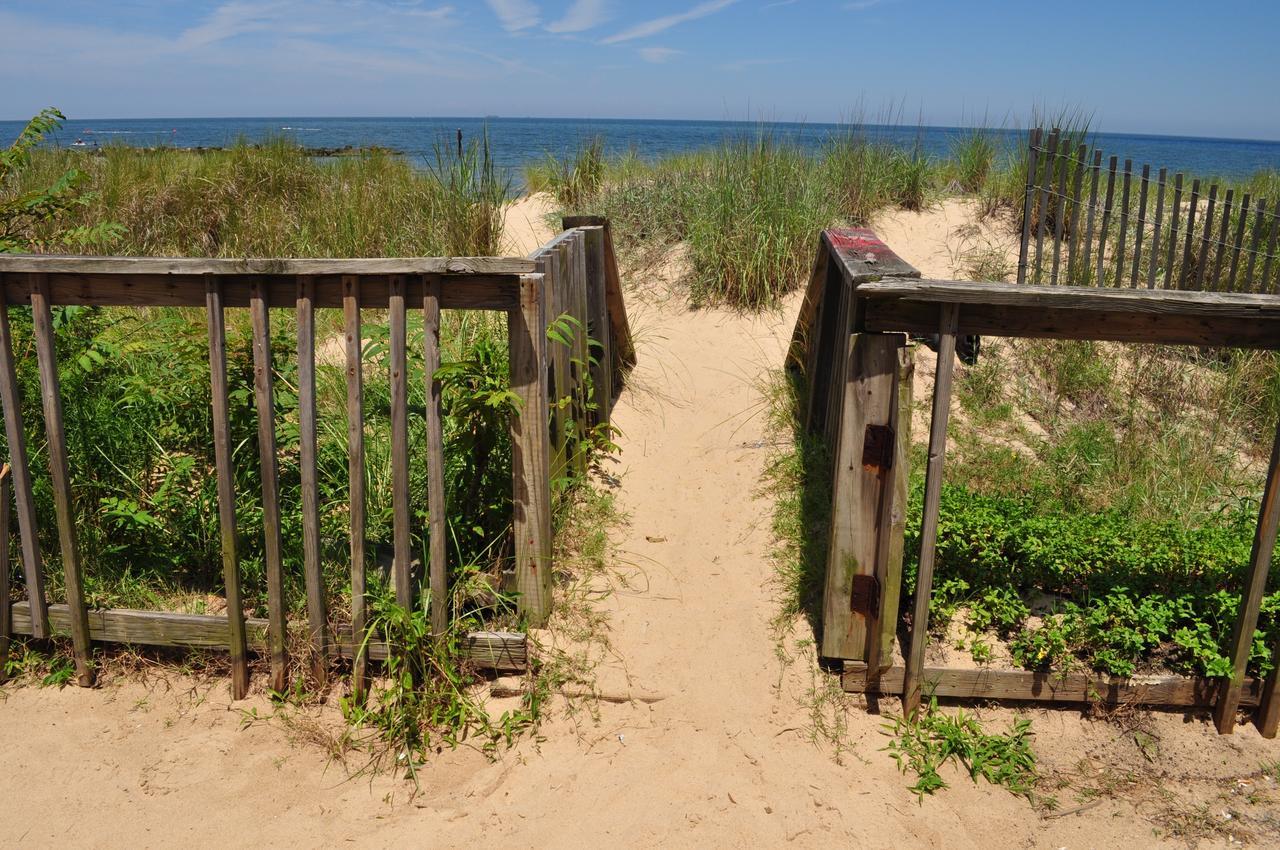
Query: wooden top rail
(76, 264)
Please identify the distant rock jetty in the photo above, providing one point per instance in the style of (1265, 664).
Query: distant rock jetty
(345, 150)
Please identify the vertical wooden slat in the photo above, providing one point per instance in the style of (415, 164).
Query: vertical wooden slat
(1142, 225)
(1064, 159)
(932, 500)
(216, 320)
(6, 601)
(580, 348)
(891, 589)
(1154, 262)
(598, 324)
(264, 394)
(1046, 186)
(1077, 187)
(1260, 218)
(1206, 241)
(51, 396)
(530, 467)
(1086, 268)
(556, 374)
(1267, 286)
(1124, 222)
(1185, 274)
(355, 479)
(1264, 544)
(317, 612)
(1215, 279)
(1175, 215)
(20, 469)
(438, 568)
(1106, 223)
(1241, 222)
(400, 531)
(1033, 155)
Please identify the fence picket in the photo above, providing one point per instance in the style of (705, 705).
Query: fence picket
(438, 568)
(1086, 268)
(355, 480)
(1206, 240)
(1046, 186)
(1124, 221)
(1033, 155)
(1267, 286)
(1142, 225)
(1184, 274)
(1106, 222)
(1216, 278)
(1175, 214)
(1061, 167)
(1077, 186)
(1260, 217)
(400, 533)
(1154, 259)
(317, 613)
(1239, 242)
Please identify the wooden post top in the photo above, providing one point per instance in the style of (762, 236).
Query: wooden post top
(863, 256)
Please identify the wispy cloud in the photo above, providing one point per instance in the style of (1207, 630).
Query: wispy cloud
(658, 55)
(582, 15)
(515, 15)
(657, 25)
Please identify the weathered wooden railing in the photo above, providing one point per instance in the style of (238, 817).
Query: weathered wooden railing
(861, 304)
(530, 292)
(1196, 241)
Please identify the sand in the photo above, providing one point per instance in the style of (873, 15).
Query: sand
(725, 758)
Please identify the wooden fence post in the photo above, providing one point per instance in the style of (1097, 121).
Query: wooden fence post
(531, 448)
(891, 590)
(317, 613)
(355, 479)
(861, 497)
(6, 602)
(438, 568)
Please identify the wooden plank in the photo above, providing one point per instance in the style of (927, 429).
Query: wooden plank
(1033, 155)
(1241, 222)
(355, 476)
(861, 495)
(1142, 225)
(1193, 207)
(264, 396)
(620, 329)
(20, 466)
(1175, 215)
(1077, 188)
(1267, 718)
(1046, 186)
(598, 325)
(60, 473)
(932, 498)
(826, 354)
(1058, 227)
(401, 567)
(122, 289)
(6, 600)
(437, 539)
(1086, 267)
(1155, 233)
(1206, 241)
(1101, 278)
(805, 335)
(530, 463)
(832, 428)
(557, 373)
(895, 537)
(222, 452)
(502, 652)
(1260, 212)
(1267, 285)
(1124, 222)
(317, 611)
(1052, 687)
(261, 267)
(1264, 545)
(581, 351)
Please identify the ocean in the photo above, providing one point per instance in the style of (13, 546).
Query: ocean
(517, 141)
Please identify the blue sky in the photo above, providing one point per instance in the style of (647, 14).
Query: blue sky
(1137, 65)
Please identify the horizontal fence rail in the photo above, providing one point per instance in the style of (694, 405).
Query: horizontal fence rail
(849, 349)
(533, 293)
(1086, 224)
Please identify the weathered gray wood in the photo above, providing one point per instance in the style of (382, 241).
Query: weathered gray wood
(1141, 232)
(581, 351)
(1267, 718)
(623, 345)
(1264, 545)
(1241, 223)
(1154, 262)
(226, 486)
(502, 652)
(932, 498)
(355, 477)
(16, 435)
(1077, 188)
(598, 325)
(1175, 215)
(1259, 219)
(198, 266)
(1124, 222)
(1042, 207)
(1064, 158)
(1193, 207)
(861, 494)
(6, 600)
(60, 473)
(895, 540)
(1215, 279)
(264, 396)
(1026, 685)
(1033, 157)
(1101, 278)
(317, 610)
(1086, 267)
(438, 567)
(1266, 285)
(1206, 240)
(530, 464)
(401, 568)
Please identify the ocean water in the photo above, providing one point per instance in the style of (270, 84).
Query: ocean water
(517, 141)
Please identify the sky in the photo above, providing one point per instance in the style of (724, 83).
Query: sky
(1141, 66)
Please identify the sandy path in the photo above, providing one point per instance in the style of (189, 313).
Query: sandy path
(724, 760)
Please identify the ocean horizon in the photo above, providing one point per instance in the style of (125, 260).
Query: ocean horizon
(515, 142)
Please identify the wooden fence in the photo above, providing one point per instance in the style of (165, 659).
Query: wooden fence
(1185, 236)
(531, 292)
(849, 343)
